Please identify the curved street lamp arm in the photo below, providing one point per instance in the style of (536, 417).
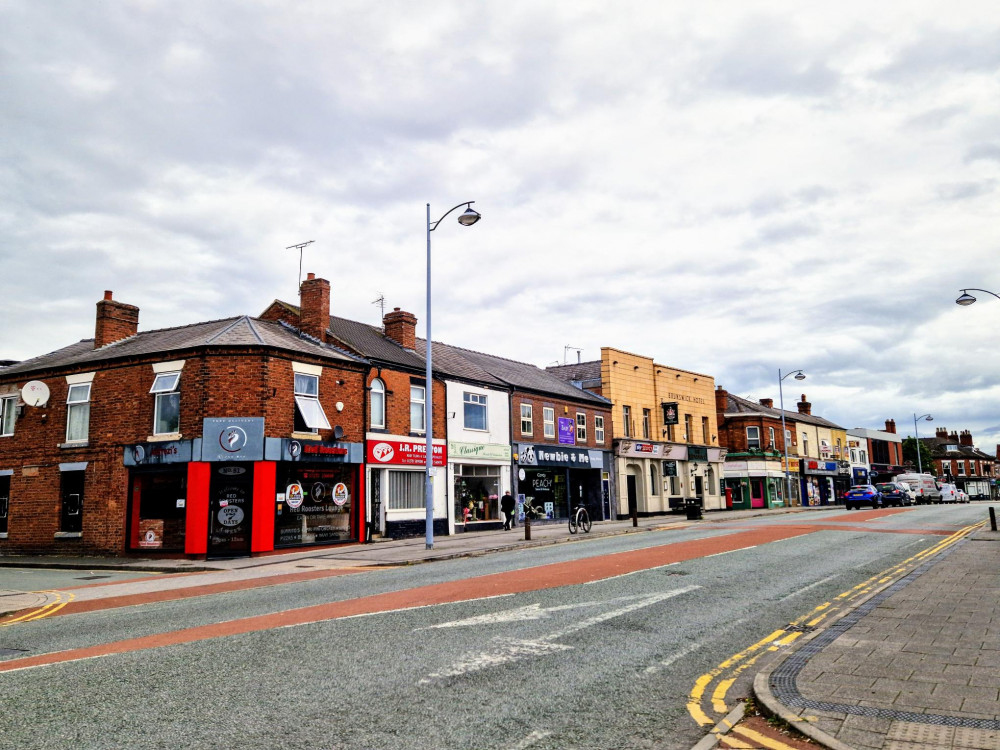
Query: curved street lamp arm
(969, 289)
(793, 372)
(431, 226)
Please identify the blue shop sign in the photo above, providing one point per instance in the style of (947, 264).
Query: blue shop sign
(548, 455)
(313, 451)
(154, 454)
(233, 439)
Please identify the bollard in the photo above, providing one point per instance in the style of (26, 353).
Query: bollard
(993, 519)
(527, 527)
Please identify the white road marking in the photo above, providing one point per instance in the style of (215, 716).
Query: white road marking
(625, 575)
(730, 551)
(530, 740)
(530, 612)
(806, 588)
(671, 659)
(511, 651)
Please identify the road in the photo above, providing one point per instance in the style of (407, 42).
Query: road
(634, 641)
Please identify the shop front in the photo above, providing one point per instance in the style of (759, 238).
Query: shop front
(754, 484)
(479, 474)
(157, 502)
(551, 482)
(817, 481)
(396, 481)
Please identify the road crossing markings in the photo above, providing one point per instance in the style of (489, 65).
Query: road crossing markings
(512, 651)
(738, 663)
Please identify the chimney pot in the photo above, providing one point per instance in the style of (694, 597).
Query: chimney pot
(314, 307)
(310, 276)
(115, 321)
(768, 402)
(107, 294)
(401, 327)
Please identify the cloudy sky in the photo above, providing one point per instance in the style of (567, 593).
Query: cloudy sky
(728, 187)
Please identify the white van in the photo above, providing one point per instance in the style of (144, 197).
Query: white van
(923, 485)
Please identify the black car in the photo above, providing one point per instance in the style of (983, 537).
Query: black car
(894, 493)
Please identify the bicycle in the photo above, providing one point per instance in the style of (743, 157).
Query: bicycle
(580, 519)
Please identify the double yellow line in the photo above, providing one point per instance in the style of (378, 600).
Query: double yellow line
(727, 672)
(62, 598)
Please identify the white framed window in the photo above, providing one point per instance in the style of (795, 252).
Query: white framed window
(8, 414)
(418, 408)
(788, 438)
(770, 436)
(753, 437)
(406, 490)
(549, 421)
(646, 419)
(581, 427)
(474, 409)
(78, 413)
(167, 410)
(627, 420)
(805, 445)
(704, 432)
(961, 468)
(599, 429)
(527, 426)
(309, 415)
(377, 406)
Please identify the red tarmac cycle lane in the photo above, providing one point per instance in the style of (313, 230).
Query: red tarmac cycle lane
(554, 575)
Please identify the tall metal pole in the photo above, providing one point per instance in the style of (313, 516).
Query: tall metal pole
(916, 436)
(784, 441)
(429, 408)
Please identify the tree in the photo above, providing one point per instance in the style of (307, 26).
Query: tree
(910, 455)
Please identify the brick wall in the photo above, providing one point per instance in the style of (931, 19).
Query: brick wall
(561, 408)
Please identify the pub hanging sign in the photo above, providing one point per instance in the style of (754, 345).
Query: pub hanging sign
(669, 412)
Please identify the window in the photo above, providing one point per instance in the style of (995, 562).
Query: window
(653, 480)
(406, 490)
(377, 406)
(788, 438)
(4, 499)
(167, 411)
(645, 423)
(627, 420)
(704, 431)
(863, 456)
(753, 437)
(670, 432)
(8, 415)
(688, 429)
(805, 445)
(71, 513)
(581, 427)
(961, 468)
(474, 405)
(527, 428)
(309, 415)
(770, 437)
(549, 421)
(78, 413)
(418, 408)
(599, 429)
(854, 456)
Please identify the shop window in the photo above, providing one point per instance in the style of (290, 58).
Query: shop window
(477, 493)
(309, 414)
(549, 421)
(599, 429)
(645, 423)
(406, 490)
(581, 427)
(167, 411)
(4, 501)
(157, 512)
(627, 420)
(474, 410)
(418, 408)
(8, 415)
(527, 427)
(319, 501)
(71, 510)
(377, 405)
(753, 437)
(78, 413)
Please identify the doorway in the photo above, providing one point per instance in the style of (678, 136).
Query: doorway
(633, 495)
(230, 498)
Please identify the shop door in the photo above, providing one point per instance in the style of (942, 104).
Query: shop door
(229, 503)
(699, 488)
(757, 493)
(633, 497)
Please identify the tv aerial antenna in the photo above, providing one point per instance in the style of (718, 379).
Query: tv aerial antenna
(300, 247)
(380, 301)
(567, 349)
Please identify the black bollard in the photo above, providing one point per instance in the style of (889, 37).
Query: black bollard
(993, 519)
(527, 527)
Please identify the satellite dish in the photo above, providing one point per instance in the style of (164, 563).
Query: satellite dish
(35, 393)
(338, 432)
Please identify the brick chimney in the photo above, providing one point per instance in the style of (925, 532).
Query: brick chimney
(401, 327)
(804, 406)
(965, 438)
(115, 321)
(890, 426)
(722, 399)
(314, 307)
(953, 436)
(768, 402)
(941, 433)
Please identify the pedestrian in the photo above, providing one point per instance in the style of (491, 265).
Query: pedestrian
(507, 506)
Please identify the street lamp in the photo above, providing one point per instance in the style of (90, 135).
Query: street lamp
(799, 375)
(965, 299)
(926, 418)
(466, 219)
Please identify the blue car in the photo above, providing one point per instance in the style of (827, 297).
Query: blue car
(862, 494)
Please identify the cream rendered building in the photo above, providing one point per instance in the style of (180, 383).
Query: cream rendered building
(664, 429)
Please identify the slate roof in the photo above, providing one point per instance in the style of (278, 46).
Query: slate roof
(586, 373)
(937, 448)
(240, 331)
(449, 361)
(738, 405)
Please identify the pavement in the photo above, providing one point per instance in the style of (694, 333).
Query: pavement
(913, 666)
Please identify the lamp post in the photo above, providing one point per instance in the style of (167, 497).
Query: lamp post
(799, 375)
(916, 434)
(965, 299)
(466, 219)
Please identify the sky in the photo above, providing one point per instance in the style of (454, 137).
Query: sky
(732, 188)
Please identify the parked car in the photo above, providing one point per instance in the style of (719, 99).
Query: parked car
(949, 493)
(862, 494)
(923, 485)
(895, 493)
(962, 497)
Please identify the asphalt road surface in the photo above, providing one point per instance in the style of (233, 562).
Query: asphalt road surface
(634, 641)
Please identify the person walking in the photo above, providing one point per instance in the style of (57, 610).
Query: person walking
(507, 506)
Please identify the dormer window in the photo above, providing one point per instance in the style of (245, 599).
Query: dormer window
(951, 448)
